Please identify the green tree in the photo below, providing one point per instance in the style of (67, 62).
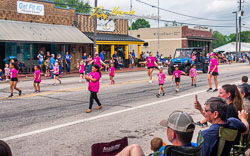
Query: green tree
(79, 5)
(220, 39)
(245, 36)
(174, 24)
(166, 24)
(140, 23)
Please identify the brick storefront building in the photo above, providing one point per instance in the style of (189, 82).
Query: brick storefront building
(171, 38)
(56, 30)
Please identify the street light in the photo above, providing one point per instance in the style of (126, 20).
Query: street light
(237, 53)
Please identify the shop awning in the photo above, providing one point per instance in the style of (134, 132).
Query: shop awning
(199, 38)
(102, 38)
(17, 31)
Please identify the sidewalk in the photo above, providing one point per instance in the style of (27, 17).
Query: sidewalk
(75, 73)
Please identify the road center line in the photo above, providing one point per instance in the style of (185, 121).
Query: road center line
(97, 117)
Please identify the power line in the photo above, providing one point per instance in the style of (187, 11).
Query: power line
(181, 13)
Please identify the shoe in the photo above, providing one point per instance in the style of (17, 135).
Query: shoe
(201, 124)
(163, 94)
(10, 95)
(99, 107)
(38, 91)
(80, 81)
(158, 95)
(205, 124)
(195, 85)
(192, 84)
(60, 81)
(215, 90)
(20, 92)
(88, 111)
(210, 89)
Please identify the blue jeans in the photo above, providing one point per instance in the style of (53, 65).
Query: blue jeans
(89, 69)
(52, 73)
(60, 70)
(68, 67)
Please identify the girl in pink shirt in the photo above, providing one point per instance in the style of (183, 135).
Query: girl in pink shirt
(192, 74)
(14, 79)
(213, 71)
(161, 79)
(112, 73)
(94, 85)
(56, 73)
(81, 70)
(151, 63)
(177, 75)
(37, 79)
(97, 60)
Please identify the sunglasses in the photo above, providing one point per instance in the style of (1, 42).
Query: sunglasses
(207, 110)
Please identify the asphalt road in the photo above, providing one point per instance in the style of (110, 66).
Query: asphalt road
(54, 121)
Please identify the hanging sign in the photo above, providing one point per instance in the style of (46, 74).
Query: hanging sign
(30, 8)
(105, 25)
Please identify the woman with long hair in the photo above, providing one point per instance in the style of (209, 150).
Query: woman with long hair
(151, 63)
(246, 97)
(213, 72)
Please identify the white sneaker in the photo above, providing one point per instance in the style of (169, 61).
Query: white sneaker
(150, 81)
(80, 80)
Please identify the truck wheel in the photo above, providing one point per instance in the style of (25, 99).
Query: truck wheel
(170, 72)
(205, 68)
(187, 69)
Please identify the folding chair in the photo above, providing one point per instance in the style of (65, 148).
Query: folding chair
(109, 148)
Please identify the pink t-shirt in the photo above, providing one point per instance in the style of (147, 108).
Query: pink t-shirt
(81, 68)
(94, 86)
(151, 61)
(213, 63)
(193, 72)
(161, 78)
(111, 70)
(97, 60)
(177, 73)
(56, 70)
(13, 73)
(36, 76)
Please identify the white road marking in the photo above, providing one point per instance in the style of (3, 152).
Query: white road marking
(97, 117)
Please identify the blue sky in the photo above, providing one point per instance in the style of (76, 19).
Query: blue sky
(212, 9)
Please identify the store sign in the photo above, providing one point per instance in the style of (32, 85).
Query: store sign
(105, 25)
(98, 12)
(30, 8)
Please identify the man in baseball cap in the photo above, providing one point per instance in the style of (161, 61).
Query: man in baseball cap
(180, 128)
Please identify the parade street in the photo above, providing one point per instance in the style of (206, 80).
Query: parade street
(54, 123)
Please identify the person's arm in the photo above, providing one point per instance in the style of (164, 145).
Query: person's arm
(90, 62)
(37, 57)
(243, 117)
(17, 76)
(66, 61)
(173, 78)
(197, 106)
(102, 63)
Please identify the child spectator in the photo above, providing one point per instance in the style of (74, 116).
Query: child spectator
(1, 75)
(156, 144)
(7, 72)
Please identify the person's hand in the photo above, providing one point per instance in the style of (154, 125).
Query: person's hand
(197, 105)
(242, 115)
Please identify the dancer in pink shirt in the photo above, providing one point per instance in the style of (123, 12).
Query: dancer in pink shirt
(161, 79)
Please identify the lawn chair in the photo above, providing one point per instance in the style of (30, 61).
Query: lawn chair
(109, 148)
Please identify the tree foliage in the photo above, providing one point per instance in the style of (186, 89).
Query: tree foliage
(79, 5)
(224, 39)
(140, 23)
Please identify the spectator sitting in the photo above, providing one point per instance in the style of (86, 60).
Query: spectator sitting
(156, 145)
(215, 112)
(120, 62)
(246, 97)
(180, 129)
(244, 80)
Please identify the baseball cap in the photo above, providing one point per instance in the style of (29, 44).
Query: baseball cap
(179, 121)
(96, 53)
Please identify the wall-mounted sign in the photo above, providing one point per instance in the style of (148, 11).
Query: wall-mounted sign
(105, 25)
(98, 12)
(30, 8)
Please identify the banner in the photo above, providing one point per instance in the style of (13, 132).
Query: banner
(105, 25)
(30, 8)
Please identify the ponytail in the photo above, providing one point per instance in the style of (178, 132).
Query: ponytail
(98, 69)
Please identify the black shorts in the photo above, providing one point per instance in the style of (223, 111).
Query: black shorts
(214, 73)
(36, 81)
(81, 73)
(177, 79)
(14, 79)
(161, 84)
(151, 67)
(56, 74)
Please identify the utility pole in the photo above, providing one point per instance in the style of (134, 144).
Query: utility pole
(239, 29)
(130, 31)
(95, 26)
(236, 13)
(158, 26)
